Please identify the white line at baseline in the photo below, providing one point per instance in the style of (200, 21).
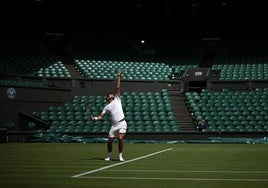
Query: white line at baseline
(193, 171)
(117, 164)
(178, 179)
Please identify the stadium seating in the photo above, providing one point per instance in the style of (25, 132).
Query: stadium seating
(242, 68)
(10, 125)
(144, 111)
(31, 125)
(181, 64)
(228, 110)
(225, 110)
(43, 65)
(134, 70)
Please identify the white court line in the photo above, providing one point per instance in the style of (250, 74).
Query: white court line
(179, 179)
(117, 164)
(194, 171)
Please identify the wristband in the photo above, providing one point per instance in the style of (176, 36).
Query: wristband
(95, 118)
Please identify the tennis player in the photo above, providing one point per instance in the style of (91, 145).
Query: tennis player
(119, 125)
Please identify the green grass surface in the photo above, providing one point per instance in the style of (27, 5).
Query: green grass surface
(147, 165)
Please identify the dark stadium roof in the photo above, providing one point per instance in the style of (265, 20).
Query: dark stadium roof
(153, 16)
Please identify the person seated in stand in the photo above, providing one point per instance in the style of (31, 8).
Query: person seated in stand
(202, 124)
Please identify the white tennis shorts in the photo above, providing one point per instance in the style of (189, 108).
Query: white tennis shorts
(120, 127)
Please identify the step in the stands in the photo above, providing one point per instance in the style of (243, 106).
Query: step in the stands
(176, 98)
(185, 123)
(182, 111)
(188, 122)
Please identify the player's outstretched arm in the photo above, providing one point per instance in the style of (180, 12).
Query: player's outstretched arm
(99, 117)
(118, 83)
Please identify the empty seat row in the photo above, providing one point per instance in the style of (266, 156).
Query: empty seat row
(245, 108)
(132, 70)
(153, 115)
(242, 68)
(48, 66)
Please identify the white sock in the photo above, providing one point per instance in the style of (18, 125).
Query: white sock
(120, 155)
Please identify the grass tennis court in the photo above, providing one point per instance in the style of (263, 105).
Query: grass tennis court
(147, 165)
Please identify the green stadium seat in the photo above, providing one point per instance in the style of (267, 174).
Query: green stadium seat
(31, 125)
(10, 125)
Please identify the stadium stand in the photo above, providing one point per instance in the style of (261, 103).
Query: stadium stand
(242, 68)
(231, 111)
(35, 65)
(160, 100)
(145, 112)
(161, 111)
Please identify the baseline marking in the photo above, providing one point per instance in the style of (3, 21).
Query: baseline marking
(194, 171)
(117, 164)
(180, 179)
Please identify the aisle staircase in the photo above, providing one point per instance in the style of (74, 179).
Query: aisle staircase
(181, 111)
(72, 70)
(68, 63)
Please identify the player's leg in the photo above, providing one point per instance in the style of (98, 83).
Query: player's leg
(121, 145)
(121, 135)
(110, 144)
(109, 149)
(121, 142)
(111, 136)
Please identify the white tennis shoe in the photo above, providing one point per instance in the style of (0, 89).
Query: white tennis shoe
(108, 159)
(121, 159)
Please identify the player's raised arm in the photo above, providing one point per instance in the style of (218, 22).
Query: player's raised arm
(118, 83)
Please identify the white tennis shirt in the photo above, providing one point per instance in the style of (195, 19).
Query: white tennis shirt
(115, 110)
